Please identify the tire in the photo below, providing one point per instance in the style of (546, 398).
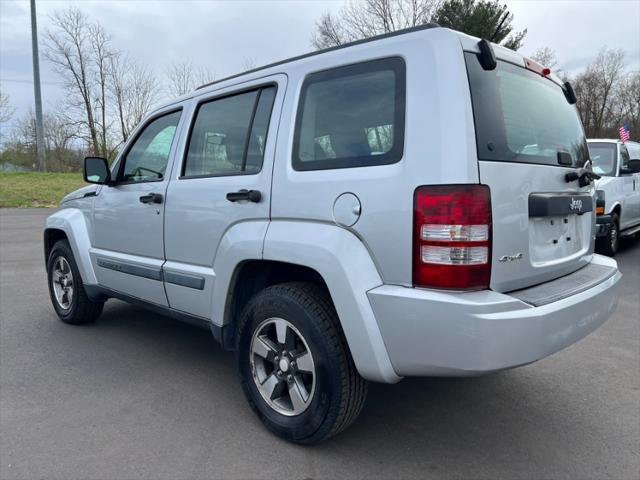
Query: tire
(75, 308)
(608, 245)
(336, 392)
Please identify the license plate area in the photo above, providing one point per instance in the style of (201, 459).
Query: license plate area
(557, 238)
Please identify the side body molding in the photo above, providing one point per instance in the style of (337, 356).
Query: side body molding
(346, 266)
(73, 223)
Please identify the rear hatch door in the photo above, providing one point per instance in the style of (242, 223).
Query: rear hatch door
(528, 138)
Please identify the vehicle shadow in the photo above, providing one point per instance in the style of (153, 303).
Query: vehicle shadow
(438, 423)
(629, 243)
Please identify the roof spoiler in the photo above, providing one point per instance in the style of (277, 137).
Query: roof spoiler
(486, 57)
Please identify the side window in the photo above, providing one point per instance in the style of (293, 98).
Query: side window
(351, 116)
(147, 158)
(229, 134)
(624, 157)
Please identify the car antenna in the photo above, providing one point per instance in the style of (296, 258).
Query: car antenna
(504, 17)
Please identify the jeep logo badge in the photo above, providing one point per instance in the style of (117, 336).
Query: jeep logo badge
(575, 205)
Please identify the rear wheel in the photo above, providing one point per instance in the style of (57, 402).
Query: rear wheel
(608, 245)
(295, 366)
(66, 289)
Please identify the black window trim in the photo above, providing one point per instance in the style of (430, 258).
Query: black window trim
(123, 157)
(394, 63)
(209, 99)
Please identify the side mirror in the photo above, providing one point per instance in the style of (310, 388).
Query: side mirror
(634, 166)
(96, 170)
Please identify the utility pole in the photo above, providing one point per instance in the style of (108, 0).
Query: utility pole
(42, 165)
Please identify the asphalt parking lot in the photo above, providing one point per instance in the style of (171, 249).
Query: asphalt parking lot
(141, 396)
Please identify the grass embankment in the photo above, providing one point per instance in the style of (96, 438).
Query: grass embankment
(36, 189)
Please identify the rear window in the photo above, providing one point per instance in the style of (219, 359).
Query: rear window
(603, 158)
(351, 116)
(521, 116)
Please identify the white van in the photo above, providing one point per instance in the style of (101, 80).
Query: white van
(618, 164)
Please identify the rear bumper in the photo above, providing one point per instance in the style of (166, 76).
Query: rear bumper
(434, 333)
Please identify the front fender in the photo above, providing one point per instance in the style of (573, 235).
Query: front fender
(349, 272)
(615, 205)
(73, 223)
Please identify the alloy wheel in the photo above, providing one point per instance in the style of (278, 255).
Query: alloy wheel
(282, 366)
(62, 282)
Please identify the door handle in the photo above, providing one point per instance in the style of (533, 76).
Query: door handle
(151, 198)
(251, 195)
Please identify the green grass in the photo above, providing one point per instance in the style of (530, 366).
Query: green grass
(35, 189)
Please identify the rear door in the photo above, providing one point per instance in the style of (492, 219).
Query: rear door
(223, 181)
(528, 138)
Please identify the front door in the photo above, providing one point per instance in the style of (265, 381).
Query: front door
(630, 213)
(221, 190)
(128, 245)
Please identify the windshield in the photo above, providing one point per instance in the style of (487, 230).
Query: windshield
(603, 158)
(521, 116)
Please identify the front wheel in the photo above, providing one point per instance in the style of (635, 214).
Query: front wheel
(66, 289)
(608, 245)
(295, 367)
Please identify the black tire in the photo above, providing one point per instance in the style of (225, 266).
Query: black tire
(339, 392)
(608, 245)
(80, 309)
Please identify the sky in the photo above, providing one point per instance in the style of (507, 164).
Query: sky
(223, 36)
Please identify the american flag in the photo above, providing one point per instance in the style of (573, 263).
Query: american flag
(624, 132)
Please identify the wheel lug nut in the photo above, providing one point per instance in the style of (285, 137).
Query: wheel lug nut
(290, 378)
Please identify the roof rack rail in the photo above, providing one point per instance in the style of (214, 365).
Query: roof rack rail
(426, 26)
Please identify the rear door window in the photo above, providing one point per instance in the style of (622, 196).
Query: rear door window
(229, 134)
(351, 116)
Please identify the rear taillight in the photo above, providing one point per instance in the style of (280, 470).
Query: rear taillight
(452, 237)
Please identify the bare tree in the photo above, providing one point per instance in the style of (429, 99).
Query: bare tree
(183, 77)
(102, 53)
(134, 89)
(58, 140)
(595, 89)
(6, 110)
(180, 77)
(203, 76)
(68, 48)
(366, 18)
(546, 56)
(627, 103)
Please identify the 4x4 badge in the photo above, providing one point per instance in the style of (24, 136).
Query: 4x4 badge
(510, 258)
